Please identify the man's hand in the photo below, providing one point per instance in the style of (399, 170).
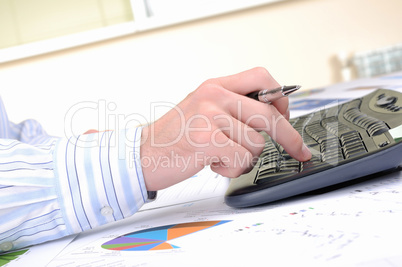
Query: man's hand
(217, 125)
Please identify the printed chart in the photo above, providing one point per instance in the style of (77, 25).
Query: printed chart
(9, 257)
(157, 238)
(352, 226)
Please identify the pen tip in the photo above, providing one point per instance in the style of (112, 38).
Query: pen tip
(290, 89)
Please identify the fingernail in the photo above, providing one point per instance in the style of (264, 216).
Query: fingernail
(306, 152)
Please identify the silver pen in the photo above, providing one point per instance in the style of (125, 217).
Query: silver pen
(269, 95)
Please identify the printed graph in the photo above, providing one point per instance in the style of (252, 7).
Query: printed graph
(9, 257)
(157, 238)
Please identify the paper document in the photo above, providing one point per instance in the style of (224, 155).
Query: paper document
(353, 226)
(203, 185)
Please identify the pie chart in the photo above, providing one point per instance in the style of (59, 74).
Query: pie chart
(157, 238)
(6, 258)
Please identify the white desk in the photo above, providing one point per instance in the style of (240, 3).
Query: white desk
(358, 225)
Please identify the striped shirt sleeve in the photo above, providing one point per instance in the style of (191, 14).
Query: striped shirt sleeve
(54, 187)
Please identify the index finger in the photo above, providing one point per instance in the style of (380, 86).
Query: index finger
(248, 81)
(253, 80)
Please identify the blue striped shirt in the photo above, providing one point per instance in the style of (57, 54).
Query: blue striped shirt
(53, 187)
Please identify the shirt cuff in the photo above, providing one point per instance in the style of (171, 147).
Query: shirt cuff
(100, 178)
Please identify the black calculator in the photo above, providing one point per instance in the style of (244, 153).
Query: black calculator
(348, 141)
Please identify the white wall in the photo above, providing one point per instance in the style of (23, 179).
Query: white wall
(296, 40)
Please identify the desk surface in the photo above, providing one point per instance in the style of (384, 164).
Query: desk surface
(357, 225)
(353, 226)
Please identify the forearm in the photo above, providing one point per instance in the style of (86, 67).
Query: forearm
(82, 183)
